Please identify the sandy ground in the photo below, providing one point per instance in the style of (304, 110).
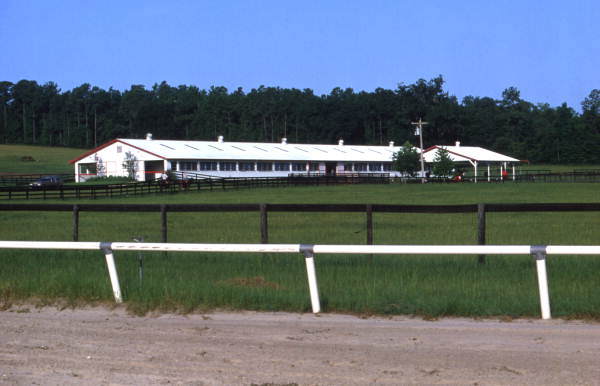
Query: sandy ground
(103, 346)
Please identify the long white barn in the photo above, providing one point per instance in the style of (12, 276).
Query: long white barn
(152, 157)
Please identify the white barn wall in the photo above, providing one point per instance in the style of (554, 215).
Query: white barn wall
(113, 160)
(174, 153)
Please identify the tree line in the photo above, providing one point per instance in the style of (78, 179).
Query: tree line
(88, 116)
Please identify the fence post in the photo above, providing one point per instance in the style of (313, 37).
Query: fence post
(112, 271)
(539, 252)
(163, 223)
(264, 224)
(75, 222)
(369, 211)
(307, 251)
(369, 224)
(481, 229)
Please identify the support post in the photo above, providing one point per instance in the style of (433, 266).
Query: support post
(264, 224)
(307, 251)
(75, 222)
(539, 252)
(481, 229)
(163, 223)
(112, 271)
(369, 211)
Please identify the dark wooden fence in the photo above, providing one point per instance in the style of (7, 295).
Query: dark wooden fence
(152, 187)
(263, 209)
(22, 180)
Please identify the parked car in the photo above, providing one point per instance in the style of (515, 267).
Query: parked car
(47, 181)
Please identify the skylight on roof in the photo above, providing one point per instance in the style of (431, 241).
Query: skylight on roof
(239, 148)
(320, 149)
(358, 151)
(375, 151)
(306, 151)
(192, 147)
(214, 147)
(281, 149)
(168, 147)
(341, 151)
(260, 148)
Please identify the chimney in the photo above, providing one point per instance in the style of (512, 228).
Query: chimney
(149, 137)
(391, 143)
(220, 139)
(341, 142)
(457, 143)
(284, 141)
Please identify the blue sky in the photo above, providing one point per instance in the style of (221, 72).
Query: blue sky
(549, 50)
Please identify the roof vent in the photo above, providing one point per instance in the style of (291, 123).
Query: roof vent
(149, 137)
(284, 141)
(457, 143)
(220, 139)
(391, 143)
(341, 142)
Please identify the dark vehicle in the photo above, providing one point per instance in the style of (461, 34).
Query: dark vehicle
(47, 181)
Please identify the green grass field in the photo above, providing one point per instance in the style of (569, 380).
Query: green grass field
(430, 286)
(23, 159)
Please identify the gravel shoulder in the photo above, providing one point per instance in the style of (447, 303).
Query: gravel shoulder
(108, 346)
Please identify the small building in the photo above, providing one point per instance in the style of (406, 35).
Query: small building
(148, 159)
(477, 157)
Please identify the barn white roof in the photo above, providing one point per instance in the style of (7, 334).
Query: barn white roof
(284, 151)
(467, 153)
(259, 151)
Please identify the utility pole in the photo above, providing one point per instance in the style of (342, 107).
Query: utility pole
(419, 132)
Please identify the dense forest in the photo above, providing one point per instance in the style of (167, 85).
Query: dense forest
(87, 116)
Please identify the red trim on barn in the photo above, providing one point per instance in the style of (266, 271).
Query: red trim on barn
(449, 151)
(108, 144)
(93, 151)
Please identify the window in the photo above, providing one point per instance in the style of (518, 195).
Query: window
(282, 166)
(208, 166)
(264, 166)
(119, 148)
(348, 167)
(227, 166)
(314, 167)
(387, 167)
(360, 167)
(87, 168)
(188, 165)
(298, 166)
(246, 166)
(374, 167)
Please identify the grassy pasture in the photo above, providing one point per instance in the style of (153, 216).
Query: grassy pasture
(44, 159)
(422, 285)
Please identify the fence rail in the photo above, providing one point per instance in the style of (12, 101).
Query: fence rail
(82, 191)
(263, 210)
(539, 252)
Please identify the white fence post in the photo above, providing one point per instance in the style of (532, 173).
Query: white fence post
(539, 252)
(112, 271)
(307, 251)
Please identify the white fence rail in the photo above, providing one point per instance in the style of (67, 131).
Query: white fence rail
(539, 252)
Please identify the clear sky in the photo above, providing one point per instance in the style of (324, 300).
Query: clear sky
(549, 50)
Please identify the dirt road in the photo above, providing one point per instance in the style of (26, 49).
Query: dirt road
(102, 346)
